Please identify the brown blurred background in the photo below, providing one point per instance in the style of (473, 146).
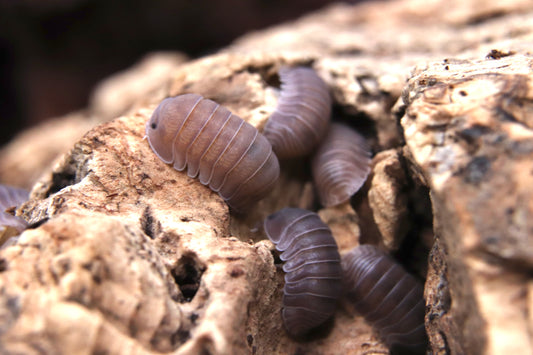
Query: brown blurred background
(52, 52)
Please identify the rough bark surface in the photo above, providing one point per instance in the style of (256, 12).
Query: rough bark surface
(468, 129)
(388, 198)
(127, 256)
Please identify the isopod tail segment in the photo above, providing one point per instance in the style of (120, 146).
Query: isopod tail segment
(219, 148)
(313, 273)
(303, 113)
(340, 165)
(388, 297)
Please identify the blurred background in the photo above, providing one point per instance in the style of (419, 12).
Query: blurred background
(53, 52)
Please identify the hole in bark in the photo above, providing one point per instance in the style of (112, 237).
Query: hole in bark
(272, 80)
(38, 223)
(181, 336)
(363, 124)
(275, 255)
(149, 224)
(188, 274)
(496, 54)
(61, 180)
(206, 345)
(413, 251)
(471, 134)
(270, 76)
(193, 318)
(71, 173)
(477, 169)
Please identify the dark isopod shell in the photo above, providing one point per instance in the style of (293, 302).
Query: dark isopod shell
(218, 147)
(313, 279)
(387, 296)
(340, 165)
(11, 226)
(303, 113)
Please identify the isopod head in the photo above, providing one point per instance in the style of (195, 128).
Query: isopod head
(161, 131)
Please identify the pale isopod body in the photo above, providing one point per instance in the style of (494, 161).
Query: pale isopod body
(340, 165)
(11, 226)
(387, 296)
(223, 150)
(313, 279)
(302, 116)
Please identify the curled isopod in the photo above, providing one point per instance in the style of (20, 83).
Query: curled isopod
(302, 116)
(340, 165)
(313, 279)
(10, 225)
(223, 150)
(387, 296)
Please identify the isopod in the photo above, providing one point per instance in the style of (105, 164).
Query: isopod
(340, 165)
(302, 116)
(10, 225)
(218, 147)
(313, 279)
(387, 296)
